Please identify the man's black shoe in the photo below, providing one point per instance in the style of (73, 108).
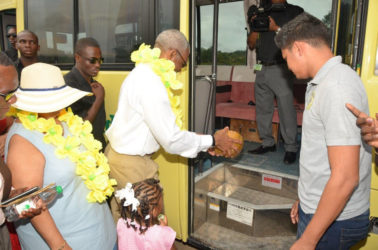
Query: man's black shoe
(262, 150)
(290, 157)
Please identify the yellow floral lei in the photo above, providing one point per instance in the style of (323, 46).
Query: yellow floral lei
(91, 165)
(165, 70)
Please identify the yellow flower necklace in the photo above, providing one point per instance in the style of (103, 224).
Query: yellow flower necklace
(91, 164)
(165, 70)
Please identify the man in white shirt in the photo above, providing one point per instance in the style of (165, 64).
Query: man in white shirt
(144, 121)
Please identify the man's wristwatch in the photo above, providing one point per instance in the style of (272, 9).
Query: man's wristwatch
(278, 30)
(213, 141)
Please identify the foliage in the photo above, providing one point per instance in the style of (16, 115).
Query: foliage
(238, 57)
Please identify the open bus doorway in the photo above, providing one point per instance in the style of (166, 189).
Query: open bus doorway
(244, 202)
(7, 21)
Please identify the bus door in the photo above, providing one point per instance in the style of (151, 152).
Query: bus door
(241, 203)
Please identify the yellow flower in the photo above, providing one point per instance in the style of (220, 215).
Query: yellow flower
(165, 70)
(145, 54)
(68, 147)
(176, 85)
(81, 148)
(12, 111)
(90, 143)
(175, 101)
(86, 163)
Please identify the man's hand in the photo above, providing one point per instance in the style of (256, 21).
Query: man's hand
(368, 125)
(225, 143)
(294, 213)
(272, 24)
(98, 91)
(302, 244)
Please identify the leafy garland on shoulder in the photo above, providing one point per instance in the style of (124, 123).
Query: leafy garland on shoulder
(81, 148)
(164, 68)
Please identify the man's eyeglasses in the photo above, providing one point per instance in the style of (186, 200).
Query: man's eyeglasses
(93, 60)
(8, 95)
(182, 58)
(12, 35)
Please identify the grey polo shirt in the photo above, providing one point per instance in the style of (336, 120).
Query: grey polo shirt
(327, 122)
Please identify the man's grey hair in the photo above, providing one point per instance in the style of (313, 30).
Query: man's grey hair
(171, 39)
(306, 28)
(5, 60)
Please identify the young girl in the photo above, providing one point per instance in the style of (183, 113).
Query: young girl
(142, 225)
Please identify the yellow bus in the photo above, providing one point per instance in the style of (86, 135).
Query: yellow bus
(210, 202)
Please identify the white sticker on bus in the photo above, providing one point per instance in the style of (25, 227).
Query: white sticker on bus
(240, 213)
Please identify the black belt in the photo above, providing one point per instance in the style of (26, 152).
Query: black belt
(271, 63)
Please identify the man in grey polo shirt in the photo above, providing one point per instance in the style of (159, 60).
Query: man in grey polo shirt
(334, 181)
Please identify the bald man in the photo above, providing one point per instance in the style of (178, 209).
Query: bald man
(144, 121)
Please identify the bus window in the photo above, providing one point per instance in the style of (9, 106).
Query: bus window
(52, 22)
(232, 44)
(119, 26)
(346, 32)
(319, 9)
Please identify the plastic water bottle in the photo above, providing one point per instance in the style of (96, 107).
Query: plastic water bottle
(13, 212)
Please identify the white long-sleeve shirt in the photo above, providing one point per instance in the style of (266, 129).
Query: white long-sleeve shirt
(144, 119)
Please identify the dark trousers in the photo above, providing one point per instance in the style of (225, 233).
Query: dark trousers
(340, 234)
(276, 81)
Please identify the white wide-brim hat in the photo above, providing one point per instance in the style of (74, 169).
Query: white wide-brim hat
(43, 90)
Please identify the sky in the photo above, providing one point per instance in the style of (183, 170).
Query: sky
(232, 34)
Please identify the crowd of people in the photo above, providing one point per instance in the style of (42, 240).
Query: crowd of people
(50, 140)
(57, 136)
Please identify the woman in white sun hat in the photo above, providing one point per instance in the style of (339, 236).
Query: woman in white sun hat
(48, 144)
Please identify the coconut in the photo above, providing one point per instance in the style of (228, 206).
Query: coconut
(233, 135)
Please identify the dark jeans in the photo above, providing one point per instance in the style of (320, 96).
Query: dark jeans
(340, 234)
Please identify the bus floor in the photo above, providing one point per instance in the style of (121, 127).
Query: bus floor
(272, 161)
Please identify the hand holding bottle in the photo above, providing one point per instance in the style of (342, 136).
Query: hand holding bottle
(31, 212)
(32, 206)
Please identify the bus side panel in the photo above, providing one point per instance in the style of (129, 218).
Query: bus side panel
(173, 170)
(7, 4)
(369, 76)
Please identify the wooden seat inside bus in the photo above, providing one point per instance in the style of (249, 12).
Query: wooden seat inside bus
(239, 103)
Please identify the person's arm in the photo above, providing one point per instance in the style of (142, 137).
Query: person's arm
(344, 163)
(8, 121)
(99, 92)
(160, 118)
(252, 39)
(368, 126)
(27, 167)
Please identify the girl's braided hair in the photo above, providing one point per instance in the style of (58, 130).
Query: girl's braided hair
(148, 193)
